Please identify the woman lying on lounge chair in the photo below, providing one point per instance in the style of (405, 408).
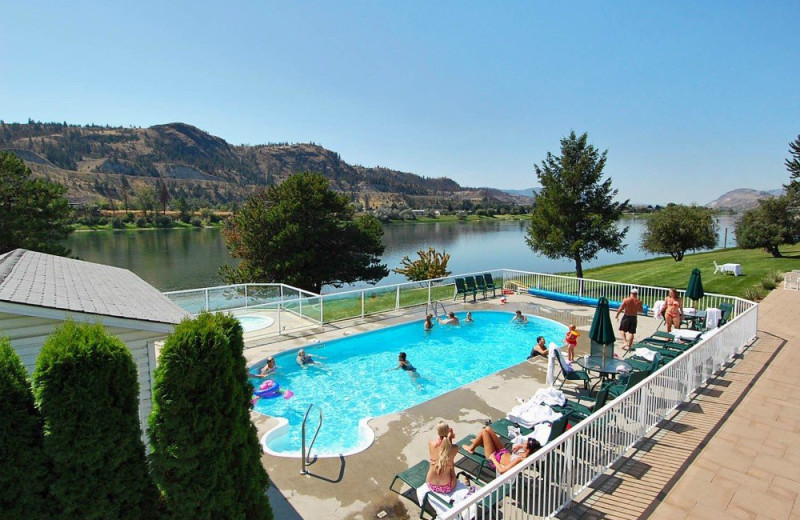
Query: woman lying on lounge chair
(497, 455)
(442, 473)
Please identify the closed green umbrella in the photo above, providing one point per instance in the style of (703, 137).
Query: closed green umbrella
(694, 291)
(602, 330)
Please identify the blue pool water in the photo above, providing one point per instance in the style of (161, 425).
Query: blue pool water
(355, 384)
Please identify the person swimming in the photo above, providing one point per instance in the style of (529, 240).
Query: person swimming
(450, 320)
(304, 359)
(429, 322)
(405, 365)
(269, 368)
(519, 318)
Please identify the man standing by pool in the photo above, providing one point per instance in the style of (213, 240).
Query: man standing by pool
(630, 306)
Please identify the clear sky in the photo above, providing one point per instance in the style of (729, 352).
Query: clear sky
(691, 99)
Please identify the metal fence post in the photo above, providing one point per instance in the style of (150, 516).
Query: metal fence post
(206, 293)
(363, 298)
(429, 292)
(245, 296)
(397, 299)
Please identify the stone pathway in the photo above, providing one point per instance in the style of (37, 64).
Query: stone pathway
(733, 451)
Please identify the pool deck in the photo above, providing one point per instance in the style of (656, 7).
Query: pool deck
(356, 486)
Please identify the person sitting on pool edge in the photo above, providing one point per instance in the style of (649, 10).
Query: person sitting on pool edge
(497, 456)
(304, 359)
(540, 349)
(269, 368)
(442, 453)
(451, 319)
(429, 322)
(519, 318)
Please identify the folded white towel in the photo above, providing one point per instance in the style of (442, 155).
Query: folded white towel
(645, 353)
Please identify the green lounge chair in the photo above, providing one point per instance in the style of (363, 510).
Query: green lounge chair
(571, 375)
(642, 365)
(582, 411)
(487, 278)
(480, 284)
(633, 379)
(461, 290)
(727, 311)
(470, 283)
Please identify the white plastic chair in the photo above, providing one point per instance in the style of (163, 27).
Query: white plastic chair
(718, 268)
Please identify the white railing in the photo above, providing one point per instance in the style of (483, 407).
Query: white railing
(360, 303)
(550, 479)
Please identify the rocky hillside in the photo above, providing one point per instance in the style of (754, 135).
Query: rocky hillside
(741, 199)
(111, 163)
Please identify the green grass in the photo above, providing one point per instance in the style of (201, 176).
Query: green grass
(380, 301)
(665, 272)
(454, 218)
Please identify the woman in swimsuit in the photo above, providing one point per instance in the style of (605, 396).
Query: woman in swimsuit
(499, 457)
(429, 322)
(269, 368)
(406, 366)
(673, 310)
(442, 474)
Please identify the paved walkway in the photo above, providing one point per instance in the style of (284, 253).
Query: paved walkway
(731, 452)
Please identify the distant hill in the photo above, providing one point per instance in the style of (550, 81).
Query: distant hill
(102, 162)
(527, 192)
(742, 199)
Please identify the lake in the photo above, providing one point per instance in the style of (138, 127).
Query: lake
(174, 259)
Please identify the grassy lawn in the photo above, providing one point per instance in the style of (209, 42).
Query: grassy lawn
(665, 272)
(380, 301)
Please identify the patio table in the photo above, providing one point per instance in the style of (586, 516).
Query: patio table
(734, 269)
(607, 367)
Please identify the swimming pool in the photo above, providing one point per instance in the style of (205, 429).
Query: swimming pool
(356, 385)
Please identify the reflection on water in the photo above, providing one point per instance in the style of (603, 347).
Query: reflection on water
(173, 259)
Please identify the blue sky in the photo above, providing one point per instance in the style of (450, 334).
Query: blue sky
(691, 99)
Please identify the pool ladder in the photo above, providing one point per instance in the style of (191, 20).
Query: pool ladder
(433, 306)
(304, 453)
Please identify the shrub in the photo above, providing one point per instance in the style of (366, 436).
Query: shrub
(196, 222)
(461, 215)
(776, 276)
(117, 223)
(407, 214)
(23, 477)
(768, 283)
(164, 221)
(755, 293)
(86, 386)
(128, 218)
(205, 455)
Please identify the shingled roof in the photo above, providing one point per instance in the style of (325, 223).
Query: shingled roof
(55, 282)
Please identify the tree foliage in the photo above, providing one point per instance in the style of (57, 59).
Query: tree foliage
(34, 214)
(793, 166)
(679, 228)
(205, 453)
(430, 264)
(24, 467)
(86, 387)
(768, 226)
(574, 214)
(301, 233)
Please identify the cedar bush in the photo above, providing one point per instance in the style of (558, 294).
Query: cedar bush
(86, 388)
(23, 464)
(205, 454)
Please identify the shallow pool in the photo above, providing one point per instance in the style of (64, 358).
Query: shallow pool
(356, 382)
(251, 323)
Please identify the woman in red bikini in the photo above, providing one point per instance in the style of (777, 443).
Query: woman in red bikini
(442, 474)
(673, 310)
(499, 457)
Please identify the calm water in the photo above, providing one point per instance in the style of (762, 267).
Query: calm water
(353, 384)
(173, 259)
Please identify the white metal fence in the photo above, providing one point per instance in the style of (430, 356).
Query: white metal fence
(550, 479)
(360, 303)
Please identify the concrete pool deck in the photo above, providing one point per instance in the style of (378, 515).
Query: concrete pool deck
(357, 486)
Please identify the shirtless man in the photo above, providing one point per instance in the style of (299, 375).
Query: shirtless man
(451, 319)
(631, 306)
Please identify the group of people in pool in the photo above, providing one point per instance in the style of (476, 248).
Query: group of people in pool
(442, 452)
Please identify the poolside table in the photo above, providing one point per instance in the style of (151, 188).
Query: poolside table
(608, 368)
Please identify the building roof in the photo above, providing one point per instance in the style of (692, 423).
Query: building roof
(55, 282)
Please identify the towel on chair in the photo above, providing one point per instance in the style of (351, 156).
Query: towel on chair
(461, 492)
(530, 414)
(645, 353)
(549, 396)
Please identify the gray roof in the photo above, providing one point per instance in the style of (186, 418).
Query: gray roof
(31, 278)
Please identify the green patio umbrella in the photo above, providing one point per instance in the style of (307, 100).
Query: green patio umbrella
(602, 331)
(694, 291)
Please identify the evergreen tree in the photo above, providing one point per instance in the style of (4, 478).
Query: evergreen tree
(678, 228)
(86, 386)
(205, 454)
(34, 214)
(24, 467)
(793, 166)
(303, 234)
(574, 214)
